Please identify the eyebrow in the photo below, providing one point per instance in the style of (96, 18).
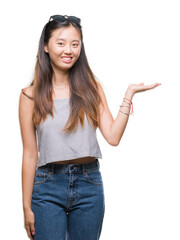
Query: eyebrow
(65, 39)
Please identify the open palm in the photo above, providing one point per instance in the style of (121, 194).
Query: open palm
(141, 87)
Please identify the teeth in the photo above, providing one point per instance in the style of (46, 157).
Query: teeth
(67, 58)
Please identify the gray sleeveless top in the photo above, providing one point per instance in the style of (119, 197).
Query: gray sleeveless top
(54, 145)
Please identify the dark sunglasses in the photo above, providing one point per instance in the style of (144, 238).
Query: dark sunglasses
(62, 18)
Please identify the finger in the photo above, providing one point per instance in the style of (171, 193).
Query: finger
(156, 85)
(29, 233)
(141, 84)
(151, 86)
(32, 228)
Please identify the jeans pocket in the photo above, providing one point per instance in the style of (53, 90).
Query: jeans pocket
(42, 176)
(93, 177)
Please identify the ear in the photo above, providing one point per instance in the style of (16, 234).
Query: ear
(46, 48)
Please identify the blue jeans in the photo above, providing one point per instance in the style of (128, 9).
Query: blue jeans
(68, 201)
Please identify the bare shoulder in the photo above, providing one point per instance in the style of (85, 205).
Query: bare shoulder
(28, 92)
(100, 88)
(26, 102)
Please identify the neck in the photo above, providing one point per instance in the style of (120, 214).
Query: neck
(60, 77)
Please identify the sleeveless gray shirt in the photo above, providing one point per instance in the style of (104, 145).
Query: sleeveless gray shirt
(54, 145)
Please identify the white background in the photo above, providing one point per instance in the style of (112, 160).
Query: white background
(125, 42)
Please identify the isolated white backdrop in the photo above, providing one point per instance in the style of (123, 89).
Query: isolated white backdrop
(125, 42)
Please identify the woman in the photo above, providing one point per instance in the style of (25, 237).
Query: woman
(62, 186)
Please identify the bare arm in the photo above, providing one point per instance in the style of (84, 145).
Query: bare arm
(30, 153)
(111, 129)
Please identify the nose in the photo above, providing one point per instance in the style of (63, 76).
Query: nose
(67, 49)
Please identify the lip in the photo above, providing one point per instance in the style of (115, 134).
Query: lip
(65, 60)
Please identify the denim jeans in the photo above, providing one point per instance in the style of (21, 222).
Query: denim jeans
(68, 201)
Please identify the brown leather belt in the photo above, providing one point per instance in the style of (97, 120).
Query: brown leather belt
(76, 161)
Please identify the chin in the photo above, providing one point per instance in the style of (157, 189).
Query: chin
(64, 67)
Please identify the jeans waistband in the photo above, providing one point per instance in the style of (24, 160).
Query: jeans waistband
(68, 168)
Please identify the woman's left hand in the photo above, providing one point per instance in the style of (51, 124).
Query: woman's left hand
(134, 88)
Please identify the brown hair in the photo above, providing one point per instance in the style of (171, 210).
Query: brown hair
(84, 98)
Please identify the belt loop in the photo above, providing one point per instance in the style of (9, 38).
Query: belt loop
(69, 168)
(52, 168)
(84, 169)
(98, 164)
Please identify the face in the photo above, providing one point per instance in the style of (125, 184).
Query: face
(64, 47)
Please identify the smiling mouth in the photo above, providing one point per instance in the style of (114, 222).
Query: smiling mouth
(67, 59)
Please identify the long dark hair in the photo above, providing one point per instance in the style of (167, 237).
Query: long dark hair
(84, 98)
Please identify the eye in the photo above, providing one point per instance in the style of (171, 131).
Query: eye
(60, 43)
(75, 44)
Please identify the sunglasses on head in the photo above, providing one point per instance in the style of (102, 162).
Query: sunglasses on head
(62, 18)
